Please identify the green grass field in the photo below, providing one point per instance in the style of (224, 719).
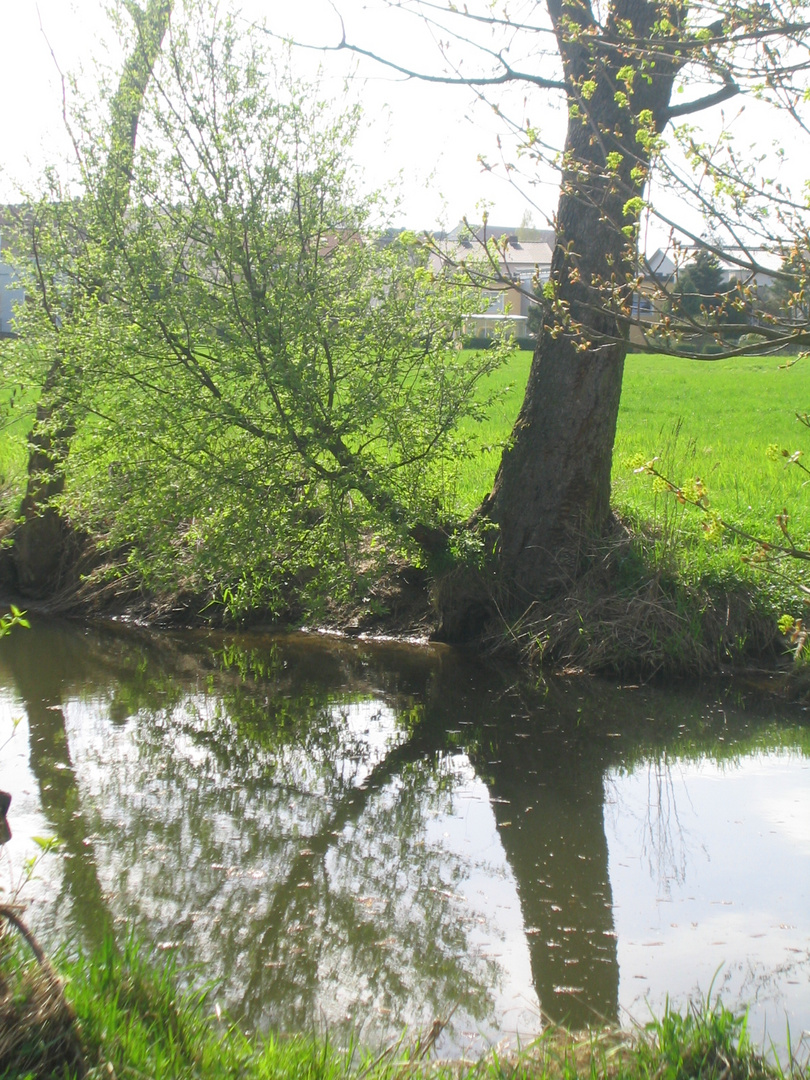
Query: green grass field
(709, 419)
(716, 420)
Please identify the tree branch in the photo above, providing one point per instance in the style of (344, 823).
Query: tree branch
(687, 108)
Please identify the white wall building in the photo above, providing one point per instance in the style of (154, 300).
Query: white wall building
(10, 294)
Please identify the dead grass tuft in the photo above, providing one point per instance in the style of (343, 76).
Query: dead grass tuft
(620, 616)
(38, 1035)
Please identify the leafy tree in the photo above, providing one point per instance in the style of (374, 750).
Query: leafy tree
(629, 72)
(263, 383)
(699, 289)
(41, 534)
(786, 299)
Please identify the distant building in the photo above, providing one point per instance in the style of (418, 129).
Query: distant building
(10, 291)
(10, 294)
(523, 259)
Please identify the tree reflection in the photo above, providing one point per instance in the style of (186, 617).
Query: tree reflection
(40, 688)
(267, 806)
(303, 870)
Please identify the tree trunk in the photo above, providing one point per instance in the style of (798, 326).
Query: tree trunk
(41, 537)
(551, 495)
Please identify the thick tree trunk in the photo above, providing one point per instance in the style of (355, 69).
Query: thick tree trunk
(551, 495)
(552, 490)
(40, 538)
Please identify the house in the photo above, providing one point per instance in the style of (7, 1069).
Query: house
(523, 259)
(10, 294)
(659, 274)
(10, 291)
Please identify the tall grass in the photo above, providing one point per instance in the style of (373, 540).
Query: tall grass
(131, 1019)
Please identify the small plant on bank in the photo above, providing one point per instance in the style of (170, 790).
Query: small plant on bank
(10, 619)
(128, 1017)
(703, 1043)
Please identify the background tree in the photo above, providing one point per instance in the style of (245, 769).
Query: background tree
(699, 288)
(41, 535)
(785, 301)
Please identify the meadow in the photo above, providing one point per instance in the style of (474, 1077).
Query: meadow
(713, 420)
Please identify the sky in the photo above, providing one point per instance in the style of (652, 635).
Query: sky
(426, 137)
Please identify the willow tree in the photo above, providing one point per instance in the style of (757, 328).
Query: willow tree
(265, 382)
(637, 78)
(39, 539)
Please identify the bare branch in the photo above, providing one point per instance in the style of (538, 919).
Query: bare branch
(688, 108)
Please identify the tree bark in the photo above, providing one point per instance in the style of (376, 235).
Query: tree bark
(551, 494)
(41, 536)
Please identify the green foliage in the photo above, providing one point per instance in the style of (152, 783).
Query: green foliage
(703, 1043)
(785, 299)
(132, 1019)
(135, 1020)
(266, 385)
(10, 619)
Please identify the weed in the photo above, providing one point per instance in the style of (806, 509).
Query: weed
(132, 1019)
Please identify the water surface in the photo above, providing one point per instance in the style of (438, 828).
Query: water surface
(368, 836)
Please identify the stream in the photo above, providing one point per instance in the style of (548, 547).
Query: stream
(363, 837)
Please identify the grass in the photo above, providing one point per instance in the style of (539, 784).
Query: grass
(713, 420)
(130, 1019)
(16, 415)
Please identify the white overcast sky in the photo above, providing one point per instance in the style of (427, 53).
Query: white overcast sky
(428, 135)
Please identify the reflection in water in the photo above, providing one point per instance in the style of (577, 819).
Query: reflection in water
(349, 833)
(40, 688)
(733, 903)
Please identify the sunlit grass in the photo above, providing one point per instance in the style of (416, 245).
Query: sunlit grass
(713, 420)
(130, 1018)
(16, 416)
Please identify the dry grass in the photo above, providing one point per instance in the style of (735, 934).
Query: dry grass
(38, 1035)
(619, 615)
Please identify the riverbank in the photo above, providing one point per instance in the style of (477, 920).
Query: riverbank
(669, 591)
(629, 613)
(121, 1013)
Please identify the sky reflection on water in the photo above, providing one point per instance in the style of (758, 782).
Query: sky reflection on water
(367, 837)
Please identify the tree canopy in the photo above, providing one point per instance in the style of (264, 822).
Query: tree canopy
(260, 376)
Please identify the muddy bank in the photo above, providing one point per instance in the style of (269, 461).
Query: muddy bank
(617, 616)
